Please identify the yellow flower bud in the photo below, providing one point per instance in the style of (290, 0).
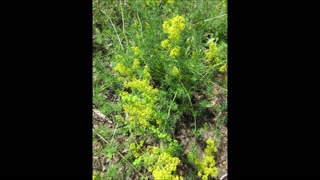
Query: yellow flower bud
(175, 71)
(165, 44)
(175, 52)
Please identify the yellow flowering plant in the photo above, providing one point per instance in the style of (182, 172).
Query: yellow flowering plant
(207, 166)
(173, 27)
(158, 2)
(160, 162)
(139, 105)
(159, 65)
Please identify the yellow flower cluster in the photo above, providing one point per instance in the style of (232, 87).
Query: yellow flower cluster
(175, 52)
(150, 156)
(146, 73)
(127, 71)
(159, 161)
(97, 175)
(140, 110)
(135, 64)
(139, 105)
(207, 167)
(211, 54)
(173, 27)
(223, 68)
(163, 168)
(158, 2)
(142, 86)
(119, 118)
(170, 1)
(136, 51)
(153, 2)
(135, 149)
(165, 44)
(175, 71)
(122, 69)
(210, 147)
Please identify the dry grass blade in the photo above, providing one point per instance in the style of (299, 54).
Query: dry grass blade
(99, 116)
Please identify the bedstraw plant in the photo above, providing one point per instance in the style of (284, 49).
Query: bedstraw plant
(157, 65)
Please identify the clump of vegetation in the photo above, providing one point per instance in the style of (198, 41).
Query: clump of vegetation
(158, 64)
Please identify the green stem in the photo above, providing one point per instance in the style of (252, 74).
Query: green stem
(124, 32)
(175, 94)
(194, 117)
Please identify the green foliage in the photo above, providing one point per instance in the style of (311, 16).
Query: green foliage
(206, 166)
(159, 162)
(112, 171)
(150, 58)
(193, 155)
(110, 149)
